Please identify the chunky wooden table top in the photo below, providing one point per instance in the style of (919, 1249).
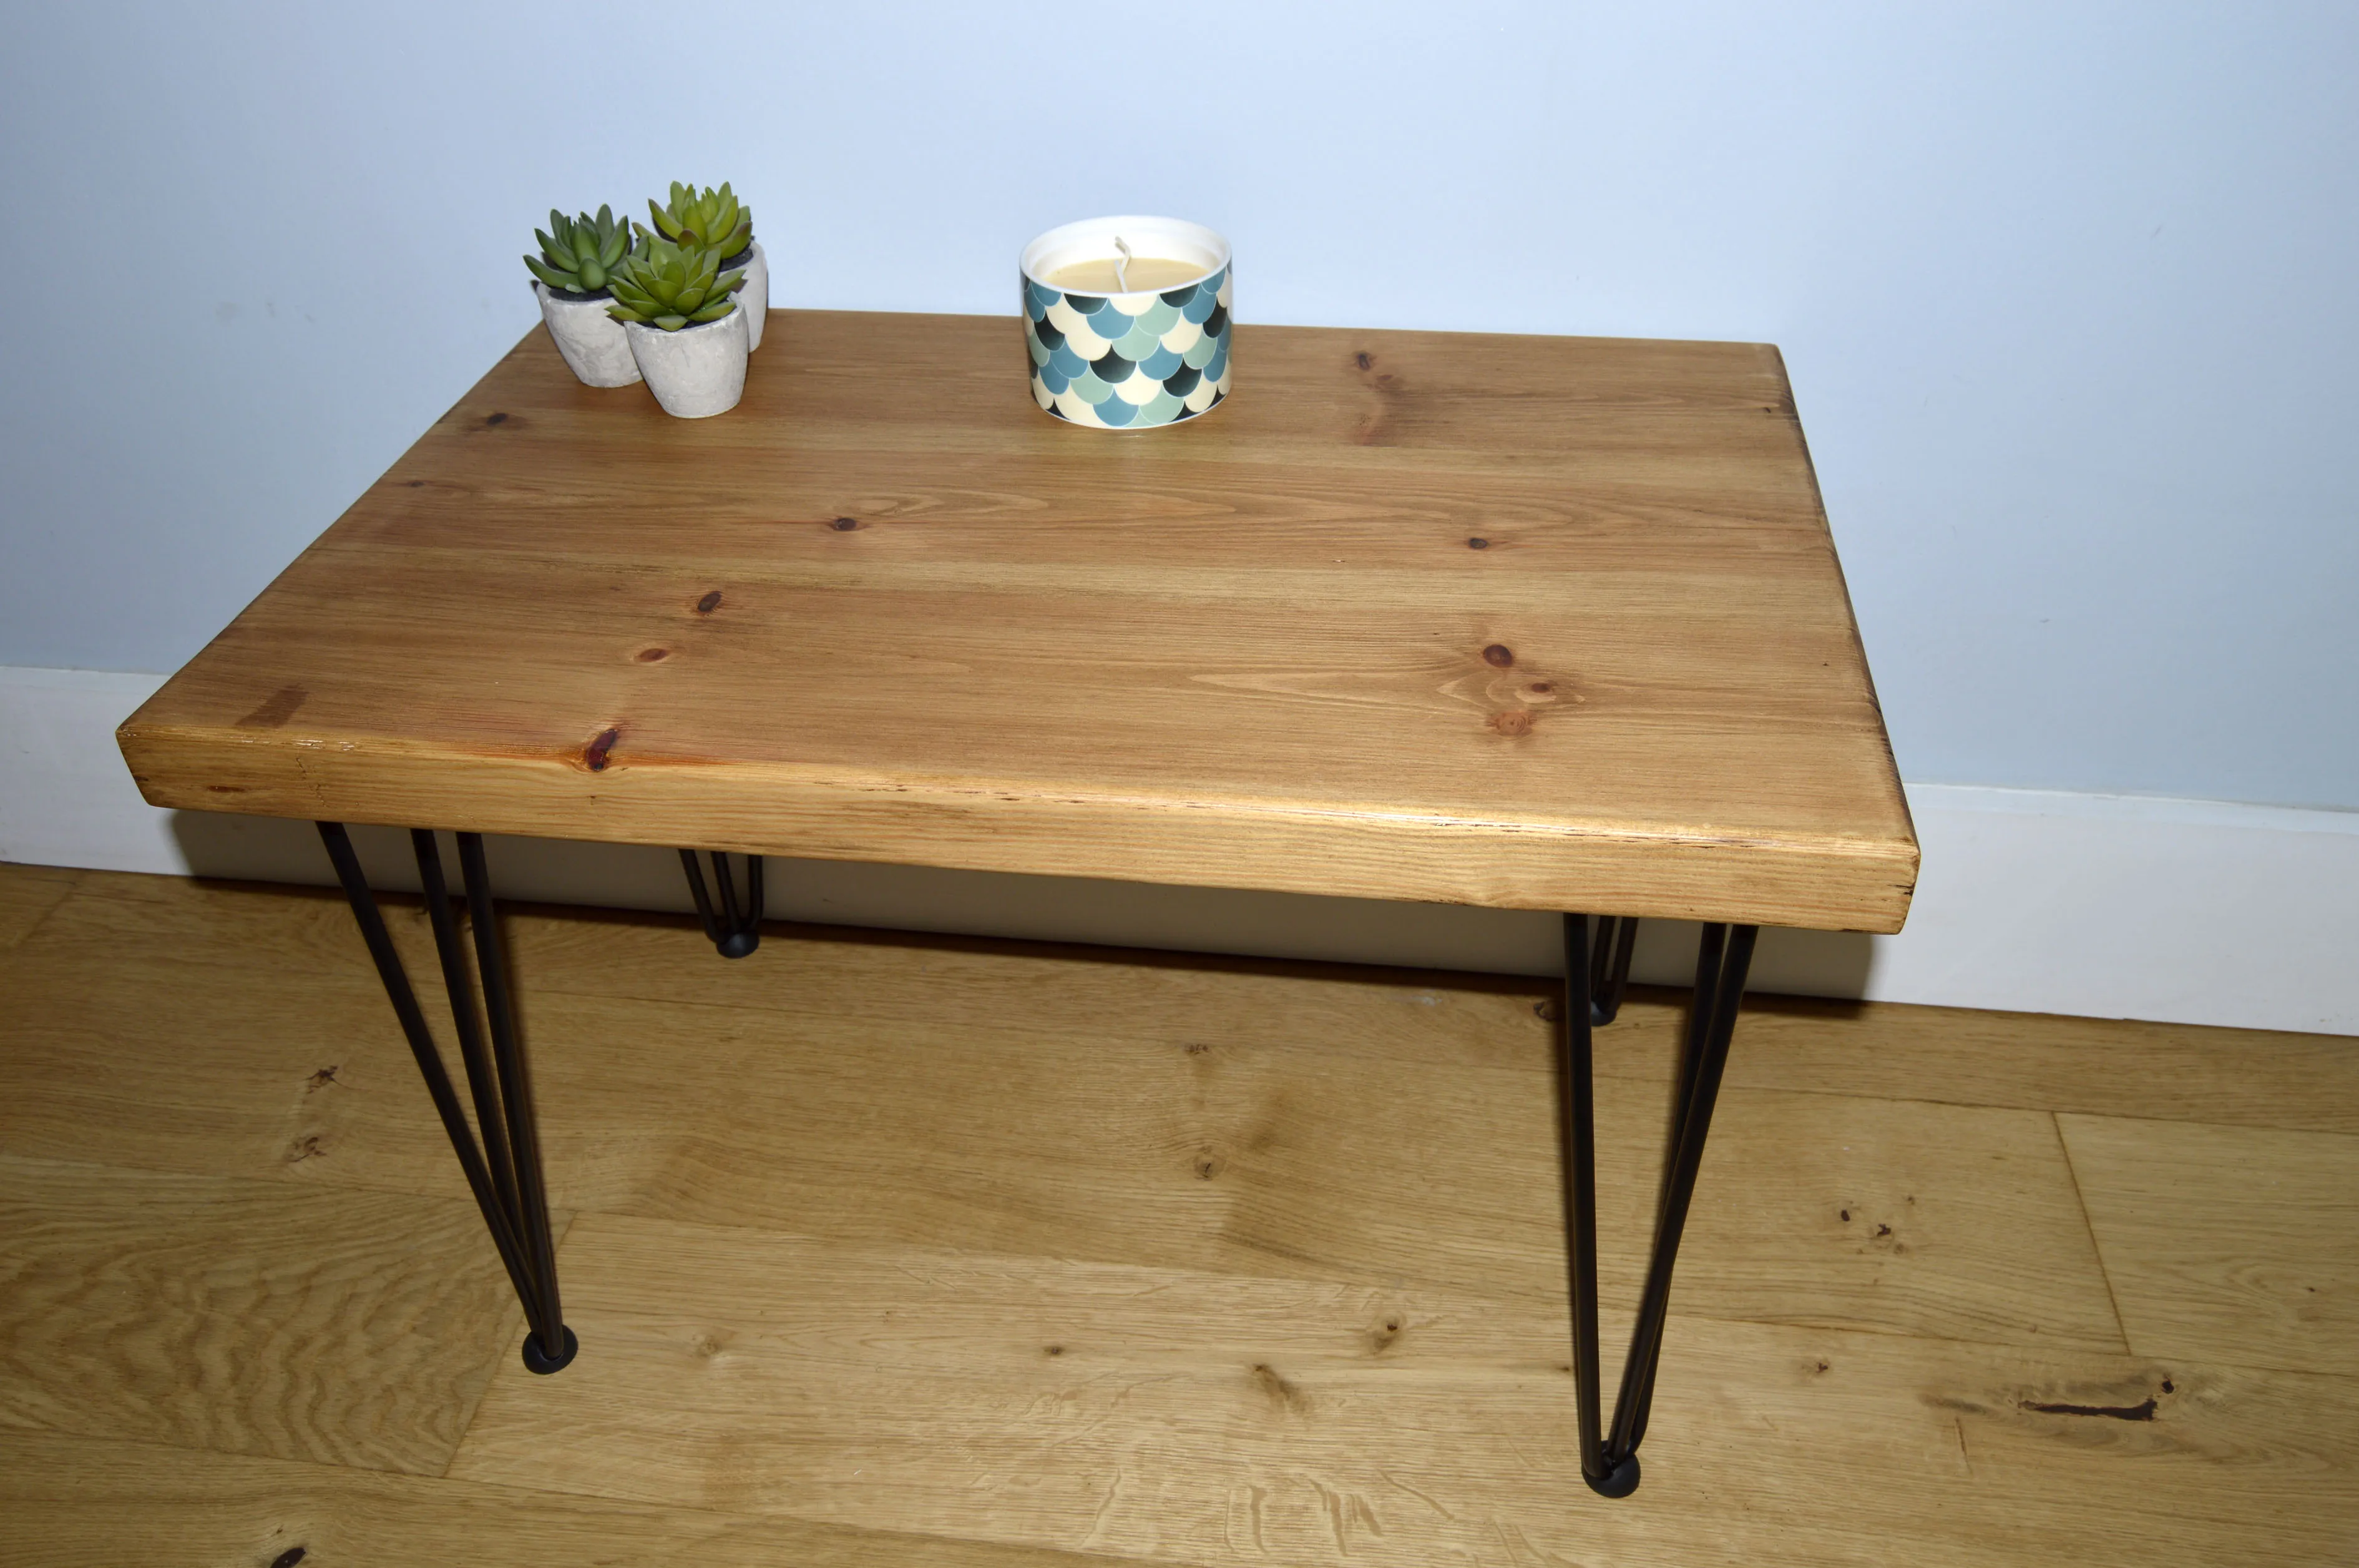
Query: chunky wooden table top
(1534, 623)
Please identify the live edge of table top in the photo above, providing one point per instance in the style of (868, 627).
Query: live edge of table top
(1532, 623)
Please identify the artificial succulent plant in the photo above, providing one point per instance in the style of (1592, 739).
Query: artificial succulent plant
(672, 286)
(710, 218)
(580, 254)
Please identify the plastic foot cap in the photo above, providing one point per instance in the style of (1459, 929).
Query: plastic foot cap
(537, 1361)
(737, 944)
(1619, 1481)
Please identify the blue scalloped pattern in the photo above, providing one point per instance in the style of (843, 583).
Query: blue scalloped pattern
(1131, 361)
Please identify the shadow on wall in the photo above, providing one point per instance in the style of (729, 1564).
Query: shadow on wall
(1051, 909)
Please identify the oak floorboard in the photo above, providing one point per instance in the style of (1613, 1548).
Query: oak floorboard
(2093, 1067)
(1890, 1050)
(931, 1155)
(216, 1069)
(27, 894)
(82, 1500)
(1212, 1417)
(2226, 1243)
(347, 1327)
(809, 970)
(1292, 1155)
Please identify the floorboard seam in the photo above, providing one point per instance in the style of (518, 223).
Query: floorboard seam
(561, 1224)
(74, 891)
(2121, 1324)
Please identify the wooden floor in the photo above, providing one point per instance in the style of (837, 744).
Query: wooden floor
(894, 1251)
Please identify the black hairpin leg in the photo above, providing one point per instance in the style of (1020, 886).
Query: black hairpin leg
(1609, 967)
(734, 931)
(1609, 1459)
(504, 1171)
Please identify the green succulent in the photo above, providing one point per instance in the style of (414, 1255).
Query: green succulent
(580, 253)
(672, 286)
(702, 218)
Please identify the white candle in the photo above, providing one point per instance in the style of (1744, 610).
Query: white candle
(1103, 277)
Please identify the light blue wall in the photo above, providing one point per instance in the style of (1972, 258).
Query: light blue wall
(2067, 289)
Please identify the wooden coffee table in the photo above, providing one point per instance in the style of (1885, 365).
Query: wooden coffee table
(1529, 622)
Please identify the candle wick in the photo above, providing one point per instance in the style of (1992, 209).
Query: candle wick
(1122, 267)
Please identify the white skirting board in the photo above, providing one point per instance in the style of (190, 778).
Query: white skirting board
(2107, 907)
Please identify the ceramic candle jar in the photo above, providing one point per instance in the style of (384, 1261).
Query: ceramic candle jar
(1127, 321)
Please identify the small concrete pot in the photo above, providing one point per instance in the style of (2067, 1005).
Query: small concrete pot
(697, 372)
(753, 293)
(592, 341)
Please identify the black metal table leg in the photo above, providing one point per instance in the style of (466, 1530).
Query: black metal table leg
(733, 930)
(1609, 967)
(1609, 1459)
(503, 1170)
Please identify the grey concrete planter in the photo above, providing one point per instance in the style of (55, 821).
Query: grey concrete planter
(696, 371)
(753, 293)
(592, 343)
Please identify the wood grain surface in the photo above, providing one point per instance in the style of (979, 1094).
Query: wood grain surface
(27, 895)
(2229, 1269)
(243, 1317)
(1522, 622)
(894, 1250)
(79, 1500)
(1233, 1419)
(1197, 1126)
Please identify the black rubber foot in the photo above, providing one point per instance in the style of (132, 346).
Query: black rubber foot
(1619, 1481)
(536, 1361)
(738, 943)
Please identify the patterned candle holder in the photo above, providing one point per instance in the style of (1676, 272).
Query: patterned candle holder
(1128, 360)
